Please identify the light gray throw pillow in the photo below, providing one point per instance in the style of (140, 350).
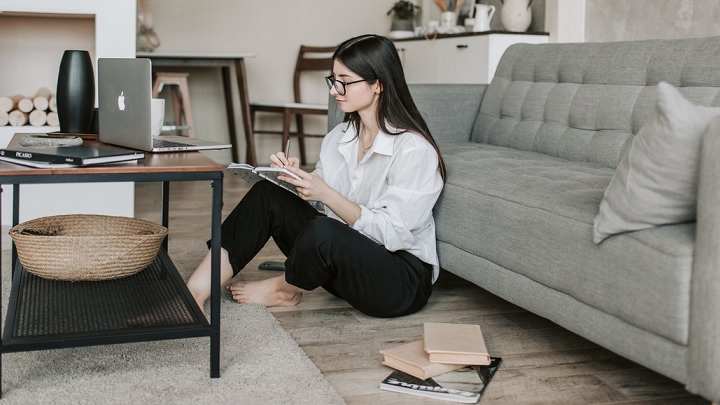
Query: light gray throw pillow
(656, 182)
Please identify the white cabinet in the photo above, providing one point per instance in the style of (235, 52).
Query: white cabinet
(464, 58)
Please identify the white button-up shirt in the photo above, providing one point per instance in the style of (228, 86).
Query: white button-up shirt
(396, 185)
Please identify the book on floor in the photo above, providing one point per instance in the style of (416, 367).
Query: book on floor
(86, 154)
(254, 174)
(412, 359)
(455, 344)
(465, 385)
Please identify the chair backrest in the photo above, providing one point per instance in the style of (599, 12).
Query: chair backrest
(311, 58)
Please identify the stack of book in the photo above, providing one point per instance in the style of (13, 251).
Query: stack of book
(46, 151)
(451, 363)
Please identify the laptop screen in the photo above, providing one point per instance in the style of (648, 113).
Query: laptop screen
(124, 94)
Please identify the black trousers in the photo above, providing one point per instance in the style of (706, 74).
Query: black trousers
(324, 252)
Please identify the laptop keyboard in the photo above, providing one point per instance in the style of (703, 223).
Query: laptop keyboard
(164, 143)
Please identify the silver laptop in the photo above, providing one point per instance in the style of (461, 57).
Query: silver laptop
(124, 94)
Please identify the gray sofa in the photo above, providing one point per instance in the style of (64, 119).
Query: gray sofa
(529, 157)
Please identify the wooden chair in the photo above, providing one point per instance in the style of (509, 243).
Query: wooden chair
(310, 58)
(180, 91)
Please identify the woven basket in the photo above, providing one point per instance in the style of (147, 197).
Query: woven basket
(86, 247)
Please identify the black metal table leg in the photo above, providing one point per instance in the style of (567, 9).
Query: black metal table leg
(215, 280)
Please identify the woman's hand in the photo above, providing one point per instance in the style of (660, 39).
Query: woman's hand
(310, 187)
(279, 159)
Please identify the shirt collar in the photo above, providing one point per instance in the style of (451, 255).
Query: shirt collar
(384, 142)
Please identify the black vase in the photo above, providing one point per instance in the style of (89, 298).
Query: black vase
(75, 94)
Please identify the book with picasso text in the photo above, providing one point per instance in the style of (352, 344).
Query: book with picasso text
(465, 385)
(455, 344)
(21, 151)
(412, 359)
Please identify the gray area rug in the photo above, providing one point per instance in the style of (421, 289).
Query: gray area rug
(259, 364)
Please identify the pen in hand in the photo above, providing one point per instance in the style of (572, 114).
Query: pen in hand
(286, 151)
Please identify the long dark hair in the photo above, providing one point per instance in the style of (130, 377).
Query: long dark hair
(374, 58)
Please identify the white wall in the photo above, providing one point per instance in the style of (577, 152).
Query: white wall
(565, 20)
(622, 20)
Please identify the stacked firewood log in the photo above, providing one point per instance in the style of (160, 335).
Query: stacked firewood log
(36, 111)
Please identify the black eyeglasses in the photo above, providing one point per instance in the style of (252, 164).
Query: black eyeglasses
(338, 85)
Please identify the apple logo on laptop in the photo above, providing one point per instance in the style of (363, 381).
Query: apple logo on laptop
(121, 101)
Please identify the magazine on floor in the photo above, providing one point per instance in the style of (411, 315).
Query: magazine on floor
(465, 385)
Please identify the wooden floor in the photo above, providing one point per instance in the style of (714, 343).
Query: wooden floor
(542, 362)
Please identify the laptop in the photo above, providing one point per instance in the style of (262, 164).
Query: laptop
(124, 94)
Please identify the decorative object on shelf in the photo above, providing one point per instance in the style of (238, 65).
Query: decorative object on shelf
(430, 31)
(469, 23)
(403, 12)
(147, 38)
(483, 16)
(448, 19)
(449, 5)
(449, 11)
(83, 247)
(75, 92)
(516, 15)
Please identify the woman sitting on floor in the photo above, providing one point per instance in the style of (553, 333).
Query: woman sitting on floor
(379, 175)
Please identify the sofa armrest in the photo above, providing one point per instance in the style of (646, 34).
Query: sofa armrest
(450, 110)
(704, 340)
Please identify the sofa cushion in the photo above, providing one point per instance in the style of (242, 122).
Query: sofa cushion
(656, 182)
(585, 102)
(533, 213)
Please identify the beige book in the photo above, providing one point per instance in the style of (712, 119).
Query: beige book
(455, 344)
(410, 358)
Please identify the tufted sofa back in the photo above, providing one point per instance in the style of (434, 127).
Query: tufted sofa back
(586, 101)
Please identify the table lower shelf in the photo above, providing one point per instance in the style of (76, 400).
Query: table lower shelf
(153, 304)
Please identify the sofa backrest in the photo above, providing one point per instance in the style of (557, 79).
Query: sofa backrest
(586, 101)
(450, 110)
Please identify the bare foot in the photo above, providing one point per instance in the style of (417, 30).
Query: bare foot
(272, 292)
